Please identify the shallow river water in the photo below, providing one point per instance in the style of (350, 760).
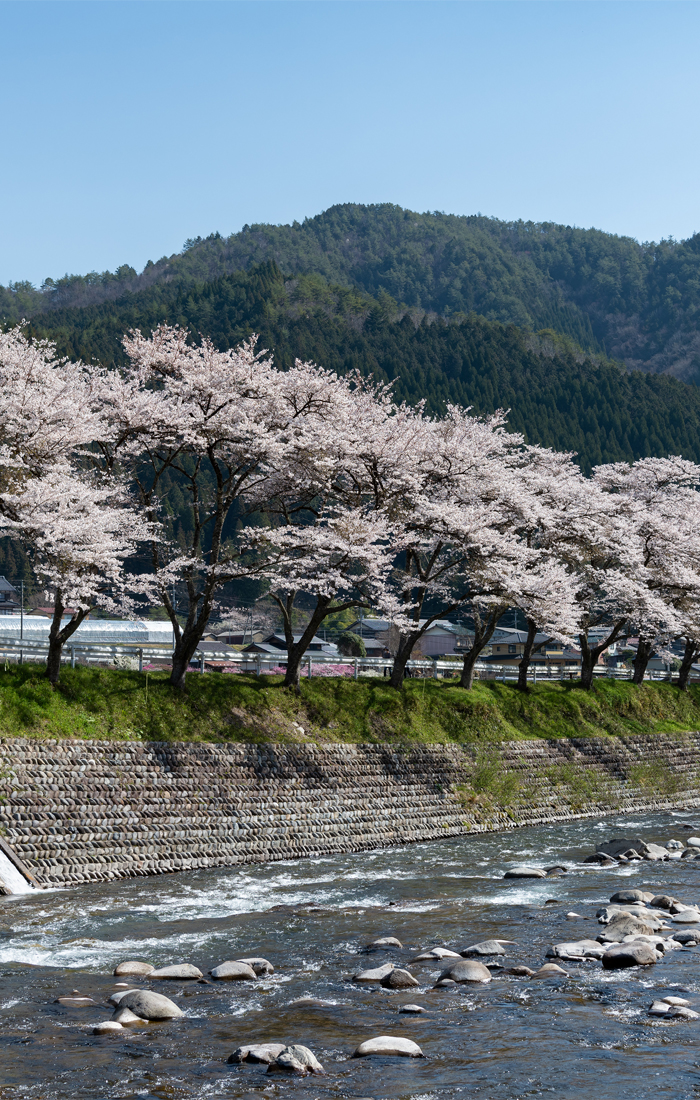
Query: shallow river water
(587, 1035)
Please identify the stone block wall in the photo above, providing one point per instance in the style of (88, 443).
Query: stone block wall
(78, 811)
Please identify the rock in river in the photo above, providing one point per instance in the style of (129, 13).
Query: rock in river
(436, 953)
(179, 972)
(468, 970)
(233, 972)
(126, 1016)
(525, 872)
(376, 974)
(107, 1027)
(150, 1006)
(257, 1052)
(551, 970)
(260, 966)
(296, 1059)
(388, 1045)
(398, 979)
(485, 948)
(412, 1010)
(133, 968)
(620, 955)
(578, 949)
(631, 897)
(385, 941)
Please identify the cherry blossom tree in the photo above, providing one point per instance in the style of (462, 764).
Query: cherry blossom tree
(49, 406)
(78, 533)
(663, 502)
(342, 560)
(230, 429)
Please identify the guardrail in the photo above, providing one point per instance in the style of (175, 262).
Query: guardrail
(431, 667)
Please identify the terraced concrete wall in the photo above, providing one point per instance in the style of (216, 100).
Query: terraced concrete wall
(77, 811)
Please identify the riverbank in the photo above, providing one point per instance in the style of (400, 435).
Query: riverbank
(122, 705)
(83, 811)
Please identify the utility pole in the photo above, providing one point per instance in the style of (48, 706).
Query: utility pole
(21, 611)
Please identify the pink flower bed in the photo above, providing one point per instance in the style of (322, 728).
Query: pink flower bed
(278, 670)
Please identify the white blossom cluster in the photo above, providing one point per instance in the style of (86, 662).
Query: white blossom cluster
(364, 503)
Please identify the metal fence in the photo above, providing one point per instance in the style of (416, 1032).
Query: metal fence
(17, 651)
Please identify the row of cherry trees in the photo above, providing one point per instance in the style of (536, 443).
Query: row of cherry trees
(369, 504)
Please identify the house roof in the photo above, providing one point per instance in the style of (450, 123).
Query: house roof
(379, 626)
(5, 586)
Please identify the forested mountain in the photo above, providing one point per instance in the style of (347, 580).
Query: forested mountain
(558, 395)
(637, 303)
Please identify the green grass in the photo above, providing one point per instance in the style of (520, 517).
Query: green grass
(101, 703)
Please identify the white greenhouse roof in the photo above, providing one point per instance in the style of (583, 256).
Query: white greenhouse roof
(96, 631)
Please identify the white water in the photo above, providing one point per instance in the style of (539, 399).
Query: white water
(12, 878)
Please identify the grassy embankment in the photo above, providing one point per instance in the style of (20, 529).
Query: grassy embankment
(99, 703)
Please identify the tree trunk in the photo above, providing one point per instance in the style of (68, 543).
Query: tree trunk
(466, 679)
(296, 650)
(589, 656)
(58, 636)
(403, 654)
(524, 664)
(644, 652)
(483, 632)
(690, 656)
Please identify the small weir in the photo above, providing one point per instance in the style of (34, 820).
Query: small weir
(12, 878)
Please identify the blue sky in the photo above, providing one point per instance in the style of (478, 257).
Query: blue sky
(128, 127)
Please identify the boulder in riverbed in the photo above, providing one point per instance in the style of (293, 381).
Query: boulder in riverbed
(621, 955)
(233, 971)
(126, 1016)
(389, 1045)
(550, 970)
(108, 1027)
(525, 872)
(468, 970)
(376, 974)
(436, 953)
(133, 968)
(411, 1010)
(577, 949)
(385, 941)
(262, 1053)
(483, 949)
(150, 1006)
(181, 972)
(688, 937)
(398, 979)
(260, 966)
(630, 897)
(296, 1059)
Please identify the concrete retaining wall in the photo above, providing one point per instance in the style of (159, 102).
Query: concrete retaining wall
(78, 811)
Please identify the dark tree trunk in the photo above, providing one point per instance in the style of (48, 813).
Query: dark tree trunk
(296, 650)
(58, 636)
(644, 652)
(186, 642)
(403, 654)
(483, 633)
(524, 664)
(590, 654)
(691, 654)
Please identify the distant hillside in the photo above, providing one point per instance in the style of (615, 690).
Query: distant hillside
(638, 304)
(558, 395)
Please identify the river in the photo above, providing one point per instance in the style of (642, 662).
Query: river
(587, 1035)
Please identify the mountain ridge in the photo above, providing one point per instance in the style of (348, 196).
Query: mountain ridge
(636, 303)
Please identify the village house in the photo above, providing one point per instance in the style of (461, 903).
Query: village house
(9, 598)
(441, 639)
